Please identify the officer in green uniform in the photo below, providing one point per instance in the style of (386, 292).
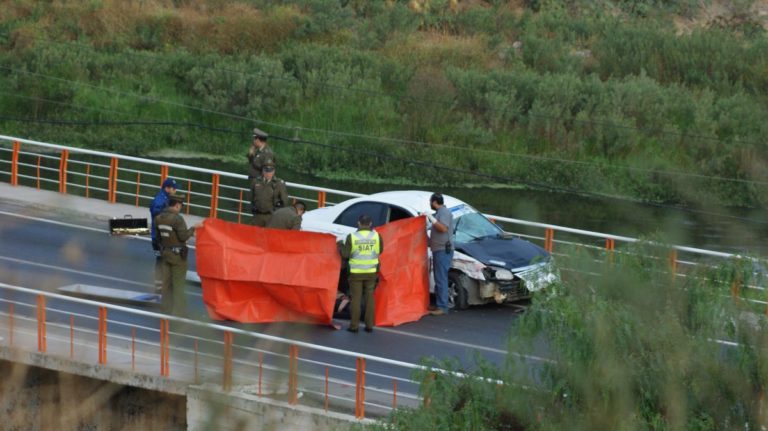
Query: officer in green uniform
(259, 154)
(172, 233)
(268, 193)
(362, 248)
(288, 218)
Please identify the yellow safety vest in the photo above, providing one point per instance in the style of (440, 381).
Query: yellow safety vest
(364, 256)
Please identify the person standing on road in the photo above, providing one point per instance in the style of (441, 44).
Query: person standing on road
(259, 154)
(268, 193)
(442, 251)
(288, 218)
(362, 248)
(159, 203)
(172, 234)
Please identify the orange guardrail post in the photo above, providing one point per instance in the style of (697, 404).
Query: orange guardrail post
(360, 389)
(15, 164)
(164, 348)
(102, 335)
(133, 349)
(326, 390)
(394, 394)
(240, 207)
(549, 236)
(214, 195)
(673, 263)
(138, 186)
(163, 174)
(610, 245)
(197, 375)
(71, 337)
(226, 383)
(736, 288)
(189, 193)
(320, 199)
(293, 375)
(63, 171)
(261, 368)
(39, 159)
(112, 181)
(87, 180)
(10, 324)
(41, 338)
(427, 397)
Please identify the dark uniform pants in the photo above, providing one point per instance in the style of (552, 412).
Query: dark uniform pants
(261, 219)
(174, 279)
(359, 285)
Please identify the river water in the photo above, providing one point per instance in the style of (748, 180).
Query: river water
(732, 230)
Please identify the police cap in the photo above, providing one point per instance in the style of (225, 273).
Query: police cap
(268, 166)
(170, 182)
(258, 133)
(176, 199)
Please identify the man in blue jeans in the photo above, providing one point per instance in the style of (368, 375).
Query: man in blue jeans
(442, 251)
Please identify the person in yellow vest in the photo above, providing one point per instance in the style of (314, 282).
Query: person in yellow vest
(362, 248)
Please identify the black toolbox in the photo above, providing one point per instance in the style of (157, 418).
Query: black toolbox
(128, 226)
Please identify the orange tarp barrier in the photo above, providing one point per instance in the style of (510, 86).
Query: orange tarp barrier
(257, 275)
(403, 292)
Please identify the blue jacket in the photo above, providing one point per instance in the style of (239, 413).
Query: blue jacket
(157, 206)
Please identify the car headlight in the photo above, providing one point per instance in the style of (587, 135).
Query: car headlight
(503, 274)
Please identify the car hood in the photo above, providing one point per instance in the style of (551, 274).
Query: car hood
(507, 253)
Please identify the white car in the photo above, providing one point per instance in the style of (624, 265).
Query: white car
(489, 265)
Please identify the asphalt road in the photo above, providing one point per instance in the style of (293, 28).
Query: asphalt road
(45, 251)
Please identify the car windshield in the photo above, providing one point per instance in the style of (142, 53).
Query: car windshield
(472, 226)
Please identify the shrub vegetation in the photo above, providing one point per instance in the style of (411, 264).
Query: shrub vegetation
(656, 100)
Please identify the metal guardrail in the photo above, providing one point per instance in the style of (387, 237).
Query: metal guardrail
(201, 352)
(212, 194)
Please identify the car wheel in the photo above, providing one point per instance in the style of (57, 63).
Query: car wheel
(458, 290)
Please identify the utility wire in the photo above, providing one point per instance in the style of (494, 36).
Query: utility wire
(494, 152)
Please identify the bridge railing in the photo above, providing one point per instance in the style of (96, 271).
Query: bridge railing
(186, 351)
(134, 180)
(219, 194)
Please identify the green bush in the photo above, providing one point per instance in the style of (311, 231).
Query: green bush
(628, 347)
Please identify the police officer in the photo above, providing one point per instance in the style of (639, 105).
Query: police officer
(259, 154)
(167, 189)
(172, 234)
(268, 193)
(362, 248)
(288, 218)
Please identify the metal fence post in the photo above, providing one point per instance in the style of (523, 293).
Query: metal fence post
(226, 383)
(102, 335)
(293, 374)
(214, 195)
(360, 389)
(63, 171)
(15, 164)
(41, 337)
